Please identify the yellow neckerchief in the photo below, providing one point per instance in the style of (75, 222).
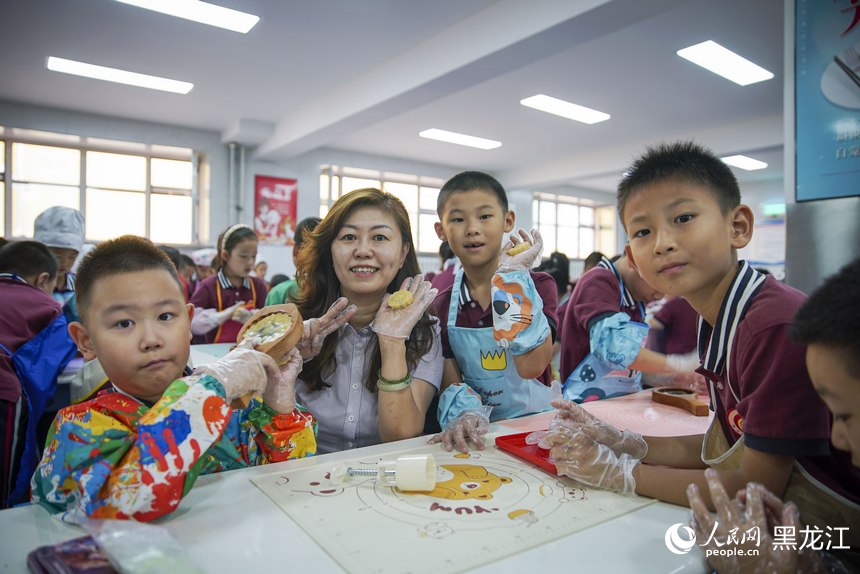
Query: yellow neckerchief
(221, 305)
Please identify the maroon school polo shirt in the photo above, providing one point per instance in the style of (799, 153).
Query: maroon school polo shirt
(473, 316)
(597, 294)
(770, 399)
(680, 322)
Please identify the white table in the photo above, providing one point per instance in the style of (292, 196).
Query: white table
(226, 524)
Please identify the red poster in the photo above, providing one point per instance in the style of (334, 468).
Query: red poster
(275, 209)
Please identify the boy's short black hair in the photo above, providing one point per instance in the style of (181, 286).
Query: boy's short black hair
(186, 262)
(831, 315)
(28, 259)
(126, 254)
(683, 161)
(468, 181)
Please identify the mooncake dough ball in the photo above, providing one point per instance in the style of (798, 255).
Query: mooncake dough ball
(519, 248)
(400, 299)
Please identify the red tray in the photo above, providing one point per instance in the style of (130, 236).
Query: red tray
(516, 445)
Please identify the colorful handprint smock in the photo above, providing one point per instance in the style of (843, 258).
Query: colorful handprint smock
(116, 457)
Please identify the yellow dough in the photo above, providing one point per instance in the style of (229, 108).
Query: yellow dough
(400, 299)
(270, 327)
(519, 248)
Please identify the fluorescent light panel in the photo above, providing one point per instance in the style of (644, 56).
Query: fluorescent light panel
(565, 109)
(119, 76)
(459, 139)
(725, 63)
(202, 12)
(744, 162)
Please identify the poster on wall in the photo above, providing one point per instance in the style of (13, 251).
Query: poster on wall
(275, 209)
(827, 99)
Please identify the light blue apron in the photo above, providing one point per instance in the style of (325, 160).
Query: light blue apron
(594, 379)
(490, 370)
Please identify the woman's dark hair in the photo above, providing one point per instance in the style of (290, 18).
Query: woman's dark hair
(320, 286)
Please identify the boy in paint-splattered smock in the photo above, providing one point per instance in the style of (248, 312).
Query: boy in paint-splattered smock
(136, 449)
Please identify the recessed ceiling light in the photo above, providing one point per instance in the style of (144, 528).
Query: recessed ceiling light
(202, 12)
(460, 139)
(119, 76)
(744, 162)
(725, 63)
(565, 109)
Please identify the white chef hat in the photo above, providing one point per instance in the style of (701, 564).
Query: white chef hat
(60, 227)
(203, 256)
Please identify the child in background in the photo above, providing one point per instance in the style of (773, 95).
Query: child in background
(134, 450)
(202, 259)
(62, 230)
(497, 318)
(28, 271)
(827, 324)
(225, 301)
(261, 268)
(287, 291)
(450, 266)
(188, 271)
(603, 335)
(680, 205)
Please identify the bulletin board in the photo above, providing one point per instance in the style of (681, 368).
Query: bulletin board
(487, 505)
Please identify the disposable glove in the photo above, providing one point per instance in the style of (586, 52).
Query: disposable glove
(398, 323)
(243, 370)
(469, 426)
(204, 320)
(524, 260)
(280, 393)
(580, 457)
(686, 363)
(755, 511)
(317, 329)
(621, 442)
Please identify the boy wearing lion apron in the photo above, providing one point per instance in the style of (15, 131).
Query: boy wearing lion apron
(498, 318)
(680, 206)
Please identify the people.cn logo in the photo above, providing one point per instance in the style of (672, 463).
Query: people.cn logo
(677, 543)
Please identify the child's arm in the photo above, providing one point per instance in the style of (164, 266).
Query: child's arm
(675, 451)
(617, 340)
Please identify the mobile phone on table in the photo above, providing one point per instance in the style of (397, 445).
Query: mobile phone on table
(76, 556)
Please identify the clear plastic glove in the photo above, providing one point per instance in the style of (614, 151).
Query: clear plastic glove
(317, 329)
(204, 320)
(525, 260)
(470, 426)
(241, 314)
(757, 510)
(577, 418)
(280, 394)
(243, 370)
(585, 460)
(686, 363)
(398, 323)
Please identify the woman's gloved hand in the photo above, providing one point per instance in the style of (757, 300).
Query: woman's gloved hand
(398, 323)
(280, 393)
(317, 329)
(243, 370)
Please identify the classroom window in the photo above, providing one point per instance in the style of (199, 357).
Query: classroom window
(573, 226)
(120, 187)
(418, 194)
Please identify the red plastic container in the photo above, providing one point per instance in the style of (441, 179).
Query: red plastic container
(516, 445)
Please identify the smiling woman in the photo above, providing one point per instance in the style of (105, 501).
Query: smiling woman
(373, 380)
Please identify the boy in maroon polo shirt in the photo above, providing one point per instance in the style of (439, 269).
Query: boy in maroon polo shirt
(681, 208)
(498, 319)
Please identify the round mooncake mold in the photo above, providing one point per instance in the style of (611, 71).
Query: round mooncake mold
(279, 328)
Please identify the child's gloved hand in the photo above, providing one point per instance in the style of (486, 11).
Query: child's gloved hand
(577, 418)
(524, 260)
(221, 316)
(686, 363)
(243, 370)
(469, 426)
(317, 329)
(280, 393)
(241, 313)
(755, 508)
(398, 323)
(577, 455)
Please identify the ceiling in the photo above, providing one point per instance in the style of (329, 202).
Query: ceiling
(368, 75)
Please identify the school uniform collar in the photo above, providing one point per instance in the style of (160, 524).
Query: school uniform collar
(227, 284)
(626, 296)
(13, 277)
(465, 296)
(715, 343)
(70, 281)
